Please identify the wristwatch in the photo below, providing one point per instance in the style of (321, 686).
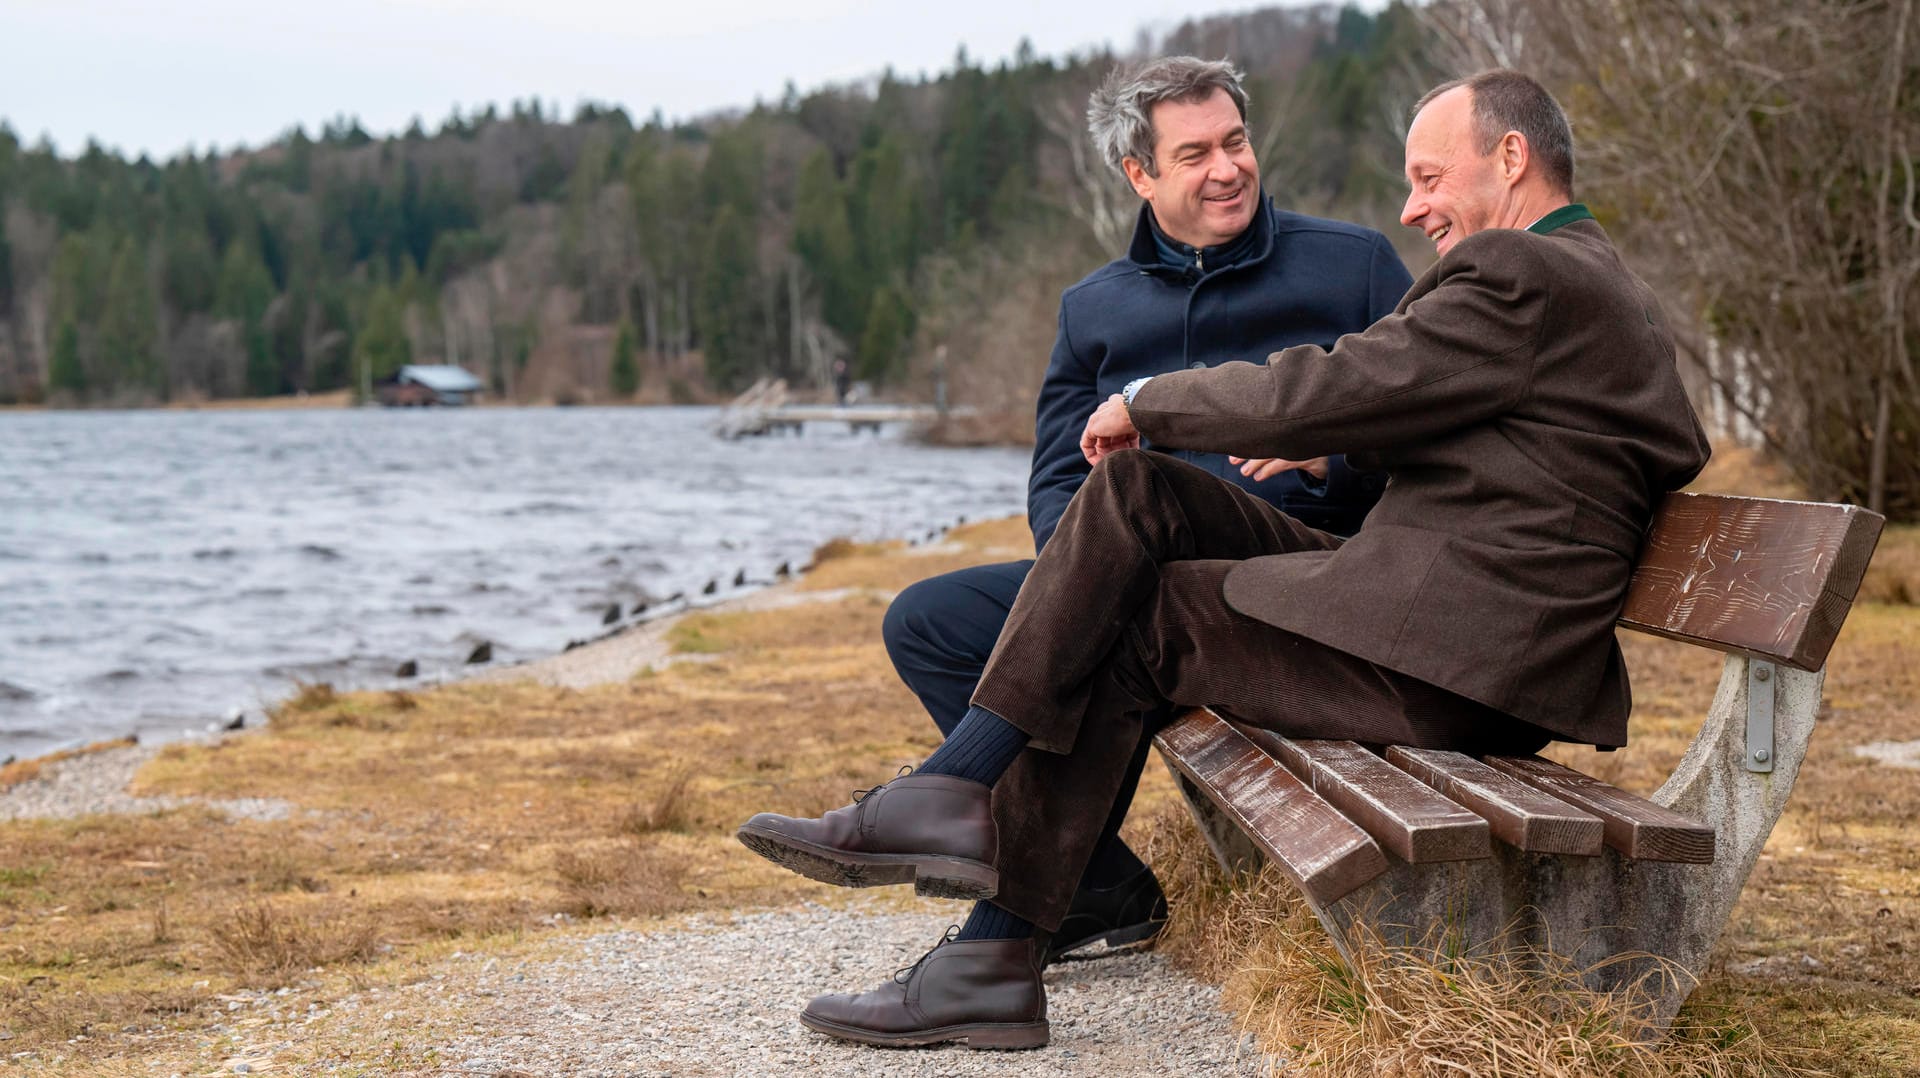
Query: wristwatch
(1127, 391)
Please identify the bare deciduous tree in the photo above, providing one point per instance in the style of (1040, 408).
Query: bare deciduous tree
(1758, 159)
(1096, 196)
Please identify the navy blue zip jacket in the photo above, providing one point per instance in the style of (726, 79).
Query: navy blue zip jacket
(1304, 280)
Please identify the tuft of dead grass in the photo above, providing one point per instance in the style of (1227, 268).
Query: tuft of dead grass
(837, 548)
(670, 810)
(267, 945)
(621, 878)
(1420, 1012)
(310, 696)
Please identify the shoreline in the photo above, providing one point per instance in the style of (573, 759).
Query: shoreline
(76, 780)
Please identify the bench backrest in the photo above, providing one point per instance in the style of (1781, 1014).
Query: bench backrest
(1759, 577)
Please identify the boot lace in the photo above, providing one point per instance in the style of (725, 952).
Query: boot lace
(861, 795)
(905, 973)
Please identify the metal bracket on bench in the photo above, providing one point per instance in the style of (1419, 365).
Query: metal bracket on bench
(1761, 676)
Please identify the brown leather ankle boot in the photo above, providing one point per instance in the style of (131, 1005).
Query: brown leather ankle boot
(984, 992)
(934, 830)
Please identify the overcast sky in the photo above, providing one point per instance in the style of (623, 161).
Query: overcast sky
(159, 77)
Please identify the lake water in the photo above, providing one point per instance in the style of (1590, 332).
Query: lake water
(160, 569)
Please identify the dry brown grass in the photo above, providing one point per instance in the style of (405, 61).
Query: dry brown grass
(267, 945)
(620, 877)
(671, 809)
(1422, 1012)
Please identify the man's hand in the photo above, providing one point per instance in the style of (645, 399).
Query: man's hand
(1268, 467)
(1109, 430)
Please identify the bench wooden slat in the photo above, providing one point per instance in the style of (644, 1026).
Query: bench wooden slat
(1402, 814)
(1635, 826)
(1756, 576)
(1323, 852)
(1519, 813)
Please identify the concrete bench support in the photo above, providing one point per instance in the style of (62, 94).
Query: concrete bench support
(1595, 908)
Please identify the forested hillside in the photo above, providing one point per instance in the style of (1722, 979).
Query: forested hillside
(901, 225)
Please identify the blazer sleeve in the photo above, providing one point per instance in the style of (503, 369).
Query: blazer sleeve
(1068, 395)
(1387, 286)
(1459, 354)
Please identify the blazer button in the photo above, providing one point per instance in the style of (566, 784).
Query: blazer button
(1197, 365)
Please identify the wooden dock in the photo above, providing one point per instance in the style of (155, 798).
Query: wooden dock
(766, 408)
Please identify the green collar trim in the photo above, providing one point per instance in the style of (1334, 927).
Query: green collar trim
(1565, 215)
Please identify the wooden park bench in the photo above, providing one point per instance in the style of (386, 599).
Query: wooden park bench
(1417, 847)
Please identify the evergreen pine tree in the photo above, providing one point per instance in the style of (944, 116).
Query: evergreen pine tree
(381, 346)
(243, 293)
(66, 373)
(885, 338)
(128, 333)
(626, 372)
(6, 265)
(728, 304)
(823, 238)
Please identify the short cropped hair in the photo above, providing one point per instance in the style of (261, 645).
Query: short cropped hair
(1505, 100)
(1120, 112)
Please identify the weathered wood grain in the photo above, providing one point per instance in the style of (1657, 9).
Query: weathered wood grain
(1408, 818)
(1635, 826)
(1323, 852)
(1756, 576)
(1519, 813)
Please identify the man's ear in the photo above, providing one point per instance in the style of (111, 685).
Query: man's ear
(1514, 157)
(1137, 176)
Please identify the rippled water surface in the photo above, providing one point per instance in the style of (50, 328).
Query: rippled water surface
(159, 569)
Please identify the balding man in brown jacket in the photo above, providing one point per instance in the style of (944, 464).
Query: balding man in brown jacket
(1523, 402)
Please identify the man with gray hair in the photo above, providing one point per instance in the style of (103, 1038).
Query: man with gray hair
(1214, 273)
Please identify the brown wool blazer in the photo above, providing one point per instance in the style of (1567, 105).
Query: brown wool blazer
(1525, 406)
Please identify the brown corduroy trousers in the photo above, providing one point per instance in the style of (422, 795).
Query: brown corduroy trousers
(1122, 614)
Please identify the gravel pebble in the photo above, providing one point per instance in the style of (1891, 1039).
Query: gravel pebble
(723, 998)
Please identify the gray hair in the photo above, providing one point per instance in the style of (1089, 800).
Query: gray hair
(1505, 100)
(1120, 112)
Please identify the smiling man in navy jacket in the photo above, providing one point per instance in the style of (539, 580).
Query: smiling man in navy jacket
(1214, 273)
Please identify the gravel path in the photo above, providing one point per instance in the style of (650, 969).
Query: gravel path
(97, 782)
(721, 998)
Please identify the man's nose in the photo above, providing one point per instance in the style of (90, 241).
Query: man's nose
(1415, 209)
(1222, 167)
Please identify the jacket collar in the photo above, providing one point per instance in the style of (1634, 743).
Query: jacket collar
(1565, 215)
(1144, 253)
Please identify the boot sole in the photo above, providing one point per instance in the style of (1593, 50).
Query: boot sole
(979, 1036)
(1116, 940)
(931, 876)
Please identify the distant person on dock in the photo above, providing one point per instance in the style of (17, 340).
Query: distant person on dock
(1214, 273)
(842, 381)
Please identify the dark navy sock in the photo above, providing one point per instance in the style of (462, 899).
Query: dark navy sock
(982, 747)
(990, 922)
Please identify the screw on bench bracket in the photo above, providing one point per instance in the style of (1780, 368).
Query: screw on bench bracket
(1759, 715)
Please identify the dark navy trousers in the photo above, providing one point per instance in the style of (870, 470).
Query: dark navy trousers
(939, 634)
